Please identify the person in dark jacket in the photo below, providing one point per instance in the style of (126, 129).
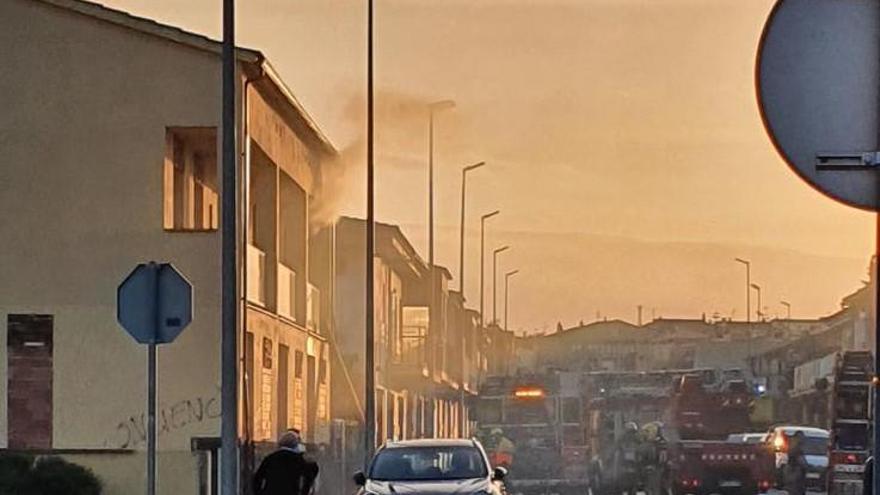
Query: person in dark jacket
(286, 471)
(796, 467)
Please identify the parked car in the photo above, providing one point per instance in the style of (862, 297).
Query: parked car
(815, 447)
(436, 466)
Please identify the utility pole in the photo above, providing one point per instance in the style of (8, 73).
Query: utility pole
(229, 451)
(369, 340)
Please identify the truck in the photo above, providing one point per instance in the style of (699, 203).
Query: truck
(704, 460)
(851, 410)
(540, 415)
(569, 430)
(696, 410)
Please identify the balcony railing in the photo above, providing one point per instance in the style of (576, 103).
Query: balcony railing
(256, 275)
(286, 291)
(414, 351)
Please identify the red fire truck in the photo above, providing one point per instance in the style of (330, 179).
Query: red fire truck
(704, 460)
(850, 423)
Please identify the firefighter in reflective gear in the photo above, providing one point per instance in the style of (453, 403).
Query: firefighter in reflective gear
(500, 448)
(652, 457)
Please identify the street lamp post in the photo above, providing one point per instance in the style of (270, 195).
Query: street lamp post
(229, 372)
(462, 412)
(464, 172)
(748, 290)
(787, 309)
(759, 311)
(483, 262)
(432, 109)
(369, 324)
(495, 281)
(506, 293)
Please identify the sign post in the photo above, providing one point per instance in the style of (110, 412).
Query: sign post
(153, 304)
(818, 87)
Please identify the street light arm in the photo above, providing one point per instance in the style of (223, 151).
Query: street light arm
(441, 105)
(490, 215)
(472, 167)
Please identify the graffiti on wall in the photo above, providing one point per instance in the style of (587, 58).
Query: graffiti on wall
(131, 432)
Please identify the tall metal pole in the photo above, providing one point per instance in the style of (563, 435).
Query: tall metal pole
(876, 386)
(229, 449)
(506, 293)
(370, 345)
(431, 196)
(495, 281)
(482, 264)
(748, 265)
(432, 277)
(464, 172)
(151, 419)
(151, 385)
(462, 413)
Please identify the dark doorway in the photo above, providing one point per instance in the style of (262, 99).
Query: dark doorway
(311, 397)
(29, 386)
(283, 387)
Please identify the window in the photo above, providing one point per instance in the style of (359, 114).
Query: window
(428, 464)
(298, 364)
(191, 201)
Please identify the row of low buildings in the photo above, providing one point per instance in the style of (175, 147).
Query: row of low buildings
(791, 362)
(110, 158)
(616, 345)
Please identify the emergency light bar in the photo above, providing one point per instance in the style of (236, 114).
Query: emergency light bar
(528, 393)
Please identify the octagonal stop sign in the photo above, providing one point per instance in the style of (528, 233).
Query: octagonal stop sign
(154, 303)
(818, 85)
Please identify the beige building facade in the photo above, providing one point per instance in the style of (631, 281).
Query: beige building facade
(110, 145)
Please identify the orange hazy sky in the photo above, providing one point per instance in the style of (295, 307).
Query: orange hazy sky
(622, 138)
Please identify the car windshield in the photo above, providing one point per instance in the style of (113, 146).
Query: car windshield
(815, 446)
(428, 464)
